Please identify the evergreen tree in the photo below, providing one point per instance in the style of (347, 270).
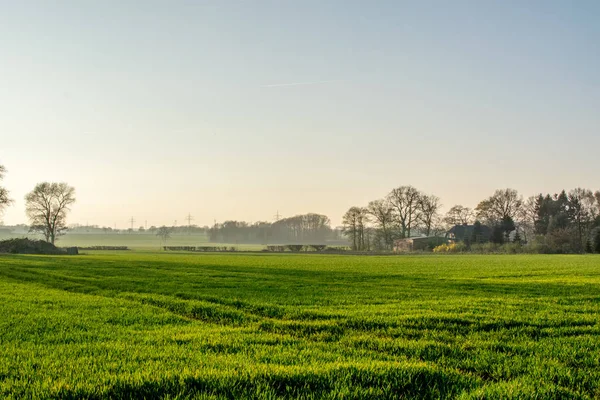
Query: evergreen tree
(544, 210)
(596, 241)
(518, 237)
(467, 241)
(507, 225)
(497, 234)
(477, 233)
(588, 246)
(561, 203)
(557, 221)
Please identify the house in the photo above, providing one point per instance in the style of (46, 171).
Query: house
(417, 243)
(460, 233)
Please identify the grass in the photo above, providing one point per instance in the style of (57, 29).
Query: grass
(211, 326)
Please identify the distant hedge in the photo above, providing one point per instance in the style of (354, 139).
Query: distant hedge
(28, 246)
(199, 248)
(104, 248)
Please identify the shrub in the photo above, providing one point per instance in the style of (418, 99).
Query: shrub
(336, 249)
(276, 248)
(563, 240)
(433, 242)
(485, 248)
(442, 248)
(458, 247)
(537, 245)
(511, 248)
(295, 247)
(104, 248)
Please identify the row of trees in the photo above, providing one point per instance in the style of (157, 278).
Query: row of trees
(396, 216)
(48, 204)
(151, 230)
(46, 207)
(306, 228)
(570, 221)
(563, 222)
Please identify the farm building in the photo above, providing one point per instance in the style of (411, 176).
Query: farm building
(417, 243)
(460, 233)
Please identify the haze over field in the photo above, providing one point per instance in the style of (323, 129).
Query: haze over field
(235, 110)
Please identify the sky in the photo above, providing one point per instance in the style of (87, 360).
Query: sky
(242, 109)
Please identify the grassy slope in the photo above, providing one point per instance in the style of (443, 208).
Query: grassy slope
(265, 326)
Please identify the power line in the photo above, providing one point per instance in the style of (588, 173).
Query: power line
(189, 219)
(132, 221)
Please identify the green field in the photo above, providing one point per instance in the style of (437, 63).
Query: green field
(209, 326)
(145, 241)
(133, 240)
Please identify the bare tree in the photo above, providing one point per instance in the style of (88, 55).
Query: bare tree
(526, 217)
(5, 200)
(382, 213)
(596, 205)
(308, 228)
(438, 229)
(581, 208)
(459, 215)
(164, 233)
(355, 221)
(405, 202)
(429, 205)
(47, 206)
(503, 204)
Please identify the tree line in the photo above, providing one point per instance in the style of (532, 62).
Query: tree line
(565, 222)
(308, 228)
(48, 203)
(402, 213)
(151, 230)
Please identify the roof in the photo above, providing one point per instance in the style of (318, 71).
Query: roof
(420, 238)
(464, 230)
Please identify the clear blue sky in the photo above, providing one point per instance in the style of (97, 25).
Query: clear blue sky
(159, 108)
